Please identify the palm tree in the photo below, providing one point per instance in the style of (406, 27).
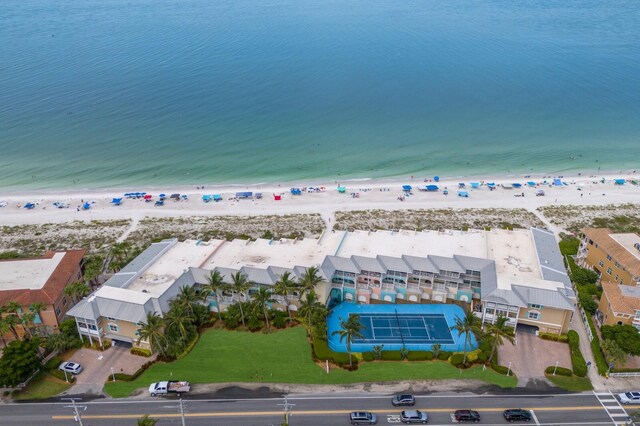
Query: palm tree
(499, 331)
(4, 329)
(13, 319)
(310, 308)
(177, 319)
(59, 342)
(186, 299)
(350, 330)
(216, 285)
(467, 325)
(37, 309)
(147, 421)
(614, 352)
(152, 331)
(262, 299)
(310, 280)
(284, 287)
(77, 290)
(240, 285)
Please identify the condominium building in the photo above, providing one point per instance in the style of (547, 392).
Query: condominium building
(619, 304)
(614, 256)
(518, 274)
(41, 280)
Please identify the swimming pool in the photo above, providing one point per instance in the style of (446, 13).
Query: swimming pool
(415, 327)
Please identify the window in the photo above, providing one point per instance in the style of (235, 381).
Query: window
(617, 264)
(535, 306)
(533, 315)
(113, 327)
(608, 257)
(111, 318)
(82, 325)
(616, 278)
(137, 333)
(609, 271)
(601, 263)
(64, 301)
(93, 327)
(489, 311)
(58, 311)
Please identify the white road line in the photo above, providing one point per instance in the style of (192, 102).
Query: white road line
(611, 404)
(535, 418)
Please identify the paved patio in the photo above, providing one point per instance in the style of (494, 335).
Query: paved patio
(532, 355)
(97, 368)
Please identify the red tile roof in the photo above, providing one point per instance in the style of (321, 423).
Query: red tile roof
(53, 287)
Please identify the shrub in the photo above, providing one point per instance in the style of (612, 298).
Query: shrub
(59, 374)
(53, 363)
(368, 356)
(626, 336)
(141, 352)
(190, 346)
(473, 356)
(279, 319)
(392, 356)
(323, 353)
(6, 393)
(501, 369)
(589, 305)
(429, 356)
(417, 356)
(577, 360)
(456, 359)
(483, 357)
(554, 337)
(444, 355)
(560, 371)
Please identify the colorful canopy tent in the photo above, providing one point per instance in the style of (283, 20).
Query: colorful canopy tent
(277, 197)
(406, 188)
(475, 185)
(244, 195)
(531, 183)
(432, 188)
(517, 185)
(116, 201)
(206, 198)
(175, 197)
(464, 194)
(162, 196)
(436, 178)
(217, 197)
(148, 197)
(86, 206)
(29, 206)
(619, 181)
(159, 203)
(296, 191)
(557, 182)
(491, 184)
(342, 189)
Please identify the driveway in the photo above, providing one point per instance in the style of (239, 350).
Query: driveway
(532, 355)
(97, 368)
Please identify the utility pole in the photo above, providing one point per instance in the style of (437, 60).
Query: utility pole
(286, 407)
(182, 411)
(75, 408)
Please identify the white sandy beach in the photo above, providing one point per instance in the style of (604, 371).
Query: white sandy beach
(372, 194)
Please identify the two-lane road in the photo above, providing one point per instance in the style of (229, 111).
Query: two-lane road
(316, 410)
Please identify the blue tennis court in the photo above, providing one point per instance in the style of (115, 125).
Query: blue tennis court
(410, 326)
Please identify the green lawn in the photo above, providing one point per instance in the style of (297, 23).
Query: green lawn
(43, 386)
(572, 384)
(285, 357)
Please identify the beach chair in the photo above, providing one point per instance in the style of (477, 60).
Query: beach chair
(159, 203)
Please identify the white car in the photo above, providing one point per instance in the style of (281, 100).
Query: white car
(71, 367)
(630, 397)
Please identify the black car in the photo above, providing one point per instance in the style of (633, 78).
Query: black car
(517, 415)
(466, 416)
(413, 416)
(403, 400)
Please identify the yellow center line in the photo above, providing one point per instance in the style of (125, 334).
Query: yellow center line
(311, 412)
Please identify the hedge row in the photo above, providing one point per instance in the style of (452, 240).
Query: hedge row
(130, 377)
(59, 374)
(598, 355)
(141, 352)
(501, 369)
(554, 337)
(53, 363)
(625, 370)
(392, 355)
(560, 371)
(577, 360)
(457, 359)
(322, 351)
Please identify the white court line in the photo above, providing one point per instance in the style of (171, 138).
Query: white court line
(535, 418)
(426, 328)
(373, 329)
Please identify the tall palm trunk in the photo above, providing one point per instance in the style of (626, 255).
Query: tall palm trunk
(241, 310)
(218, 302)
(349, 350)
(15, 332)
(266, 319)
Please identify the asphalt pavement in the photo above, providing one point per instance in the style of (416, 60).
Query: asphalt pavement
(308, 410)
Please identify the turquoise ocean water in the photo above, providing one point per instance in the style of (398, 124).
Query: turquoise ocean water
(110, 93)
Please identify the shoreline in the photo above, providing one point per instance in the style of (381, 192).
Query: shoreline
(359, 195)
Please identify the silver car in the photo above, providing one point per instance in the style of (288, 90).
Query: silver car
(630, 397)
(362, 418)
(71, 367)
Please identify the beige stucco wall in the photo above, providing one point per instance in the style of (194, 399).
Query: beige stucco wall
(593, 258)
(551, 320)
(125, 329)
(608, 316)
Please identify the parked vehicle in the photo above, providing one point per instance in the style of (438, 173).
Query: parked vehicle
(413, 416)
(171, 386)
(362, 418)
(630, 397)
(404, 399)
(466, 416)
(71, 367)
(517, 415)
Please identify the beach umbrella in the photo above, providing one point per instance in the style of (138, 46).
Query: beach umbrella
(163, 195)
(436, 178)
(86, 206)
(148, 196)
(406, 187)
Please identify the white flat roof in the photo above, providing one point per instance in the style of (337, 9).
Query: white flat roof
(514, 253)
(284, 253)
(27, 274)
(173, 263)
(627, 241)
(123, 294)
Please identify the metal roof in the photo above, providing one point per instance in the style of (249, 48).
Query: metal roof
(341, 264)
(84, 309)
(370, 264)
(421, 264)
(506, 297)
(259, 275)
(394, 264)
(447, 264)
(544, 297)
(138, 265)
(547, 249)
(472, 263)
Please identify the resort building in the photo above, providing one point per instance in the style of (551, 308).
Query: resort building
(619, 304)
(41, 281)
(518, 274)
(615, 257)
